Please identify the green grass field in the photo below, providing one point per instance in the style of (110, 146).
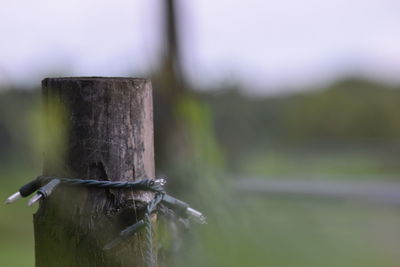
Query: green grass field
(256, 230)
(16, 228)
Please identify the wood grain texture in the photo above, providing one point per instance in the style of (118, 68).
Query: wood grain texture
(109, 136)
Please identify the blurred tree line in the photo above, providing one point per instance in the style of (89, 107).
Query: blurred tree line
(347, 112)
(19, 127)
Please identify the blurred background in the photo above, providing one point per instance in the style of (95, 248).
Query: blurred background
(278, 119)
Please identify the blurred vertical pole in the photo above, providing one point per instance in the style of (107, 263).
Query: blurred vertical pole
(178, 111)
(108, 136)
(170, 90)
(172, 56)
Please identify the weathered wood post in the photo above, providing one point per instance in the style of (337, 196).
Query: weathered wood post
(108, 128)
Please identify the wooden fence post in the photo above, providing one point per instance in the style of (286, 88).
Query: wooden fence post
(108, 129)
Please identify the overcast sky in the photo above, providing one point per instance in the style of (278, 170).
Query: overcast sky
(267, 46)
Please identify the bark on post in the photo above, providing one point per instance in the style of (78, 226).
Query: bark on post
(108, 129)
